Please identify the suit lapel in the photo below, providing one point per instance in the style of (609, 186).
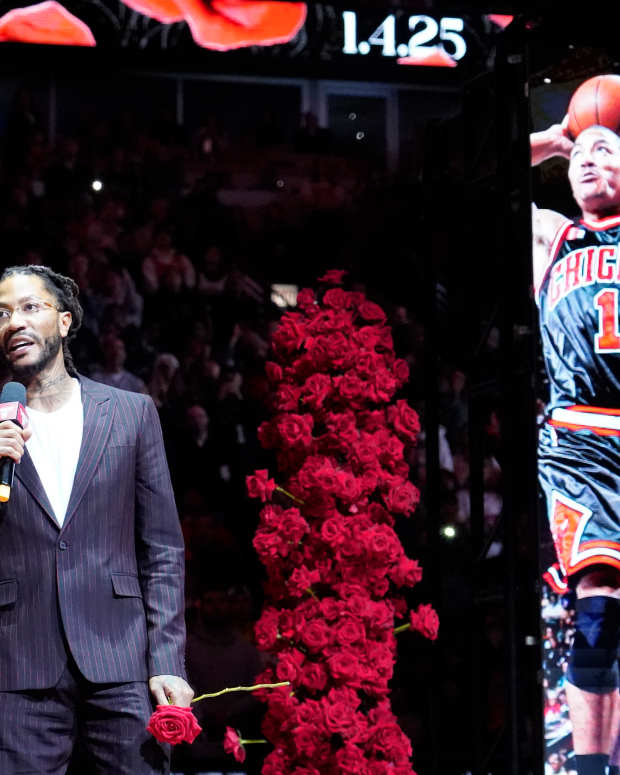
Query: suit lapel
(98, 416)
(28, 476)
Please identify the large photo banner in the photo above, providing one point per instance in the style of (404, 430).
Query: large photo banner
(576, 229)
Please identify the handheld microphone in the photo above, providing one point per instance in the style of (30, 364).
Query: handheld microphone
(12, 407)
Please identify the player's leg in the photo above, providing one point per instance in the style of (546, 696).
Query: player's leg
(593, 674)
(113, 733)
(614, 756)
(38, 729)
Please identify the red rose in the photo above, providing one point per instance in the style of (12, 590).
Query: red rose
(289, 664)
(402, 498)
(334, 532)
(301, 580)
(371, 312)
(266, 628)
(425, 621)
(290, 334)
(406, 572)
(339, 711)
(287, 398)
(296, 429)
(389, 740)
(335, 298)
(233, 744)
(342, 425)
(351, 760)
(333, 276)
(349, 630)
(273, 371)
(306, 301)
(404, 420)
(276, 763)
(401, 371)
(315, 635)
(308, 742)
(316, 389)
(173, 724)
(224, 25)
(344, 666)
(313, 676)
(381, 541)
(47, 22)
(260, 486)
(382, 386)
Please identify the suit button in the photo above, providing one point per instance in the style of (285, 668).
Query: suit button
(62, 545)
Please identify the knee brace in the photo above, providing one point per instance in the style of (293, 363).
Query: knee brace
(592, 661)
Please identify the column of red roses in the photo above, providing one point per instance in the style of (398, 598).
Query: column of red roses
(336, 568)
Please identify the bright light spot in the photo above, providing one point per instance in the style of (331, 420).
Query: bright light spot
(280, 183)
(547, 80)
(284, 295)
(96, 185)
(359, 135)
(352, 116)
(448, 531)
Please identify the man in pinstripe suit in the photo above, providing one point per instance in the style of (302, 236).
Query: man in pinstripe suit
(91, 560)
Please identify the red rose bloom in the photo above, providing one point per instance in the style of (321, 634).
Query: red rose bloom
(273, 371)
(289, 664)
(333, 276)
(229, 24)
(313, 676)
(233, 745)
(295, 429)
(402, 498)
(316, 389)
(47, 22)
(406, 572)
(404, 420)
(287, 398)
(266, 628)
(315, 635)
(173, 724)
(425, 621)
(259, 485)
(371, 312)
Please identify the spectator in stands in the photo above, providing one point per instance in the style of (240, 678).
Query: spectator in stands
(112, 372)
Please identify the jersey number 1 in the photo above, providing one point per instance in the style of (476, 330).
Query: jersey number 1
(607, 339)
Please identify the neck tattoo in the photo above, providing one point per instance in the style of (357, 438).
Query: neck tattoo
(45, 386)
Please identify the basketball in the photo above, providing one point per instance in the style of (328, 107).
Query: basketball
(596, 101)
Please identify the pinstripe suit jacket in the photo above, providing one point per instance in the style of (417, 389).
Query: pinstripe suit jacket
(111, 579)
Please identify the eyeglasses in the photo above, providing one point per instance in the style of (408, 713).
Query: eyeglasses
(27, 309)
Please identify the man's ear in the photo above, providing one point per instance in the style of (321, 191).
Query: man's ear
(65, 323)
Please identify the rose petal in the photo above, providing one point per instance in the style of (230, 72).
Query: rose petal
(434, 56)
(47, 22)
(502, 20)
(165, 11)
(243, 22)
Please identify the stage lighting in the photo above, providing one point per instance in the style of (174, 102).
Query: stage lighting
(96, 185)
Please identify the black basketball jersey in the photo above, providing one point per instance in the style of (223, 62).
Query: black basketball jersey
(579, 315)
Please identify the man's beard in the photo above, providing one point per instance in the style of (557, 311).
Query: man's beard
(27, 372)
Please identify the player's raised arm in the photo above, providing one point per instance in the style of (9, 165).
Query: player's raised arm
(551, 142)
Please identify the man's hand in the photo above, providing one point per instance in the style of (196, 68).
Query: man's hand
(171, 689)
(13, 439)
(553, 141)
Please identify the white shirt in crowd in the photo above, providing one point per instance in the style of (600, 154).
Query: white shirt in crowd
(55, 448)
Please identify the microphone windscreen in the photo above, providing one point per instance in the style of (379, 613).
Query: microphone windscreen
(13, 391)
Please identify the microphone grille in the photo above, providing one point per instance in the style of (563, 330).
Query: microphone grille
(13, 391)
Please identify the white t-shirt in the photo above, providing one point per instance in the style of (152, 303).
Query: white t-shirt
(55, 448)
